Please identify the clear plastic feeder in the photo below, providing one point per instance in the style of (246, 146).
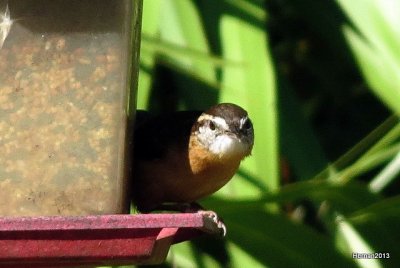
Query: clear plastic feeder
(65, 76)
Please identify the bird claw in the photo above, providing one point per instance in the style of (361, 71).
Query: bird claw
(212, 215)
(195, 208)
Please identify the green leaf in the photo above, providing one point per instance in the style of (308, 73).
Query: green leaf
(381, 73)
(378, 224)
(376, 46)
(297, 137)
(386, 208)
(346, 198)
(242, 258)
(277, 242)
(253, 87)
(181, 25)
(386, 176)
(150, 24)
(355, 243)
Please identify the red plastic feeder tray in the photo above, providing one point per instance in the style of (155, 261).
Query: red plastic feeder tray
(96, 240)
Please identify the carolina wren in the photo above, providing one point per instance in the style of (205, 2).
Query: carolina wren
(185, 156)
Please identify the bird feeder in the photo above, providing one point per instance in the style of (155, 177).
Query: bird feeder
(68, 70)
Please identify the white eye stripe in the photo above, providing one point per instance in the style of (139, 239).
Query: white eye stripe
(219, 121)
(243, 121)
(205, 117)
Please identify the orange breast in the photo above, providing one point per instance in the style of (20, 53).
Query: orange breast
(183, 176)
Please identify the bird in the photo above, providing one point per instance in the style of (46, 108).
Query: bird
(181, 157)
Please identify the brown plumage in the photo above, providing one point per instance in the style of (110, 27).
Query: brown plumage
(183, 157)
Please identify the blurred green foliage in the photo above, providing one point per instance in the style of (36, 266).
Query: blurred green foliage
(320, 80)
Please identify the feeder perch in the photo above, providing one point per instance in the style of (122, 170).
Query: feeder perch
(87, 241)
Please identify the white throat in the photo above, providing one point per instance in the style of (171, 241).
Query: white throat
(227, 146)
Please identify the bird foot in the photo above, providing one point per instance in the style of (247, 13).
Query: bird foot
(195, 208)
(212, 215)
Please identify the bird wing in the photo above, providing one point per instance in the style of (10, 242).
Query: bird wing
(153, 135)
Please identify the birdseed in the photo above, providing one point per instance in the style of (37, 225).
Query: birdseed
(61, 123)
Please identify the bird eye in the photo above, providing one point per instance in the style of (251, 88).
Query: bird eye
(211, 125)
(247, 124)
